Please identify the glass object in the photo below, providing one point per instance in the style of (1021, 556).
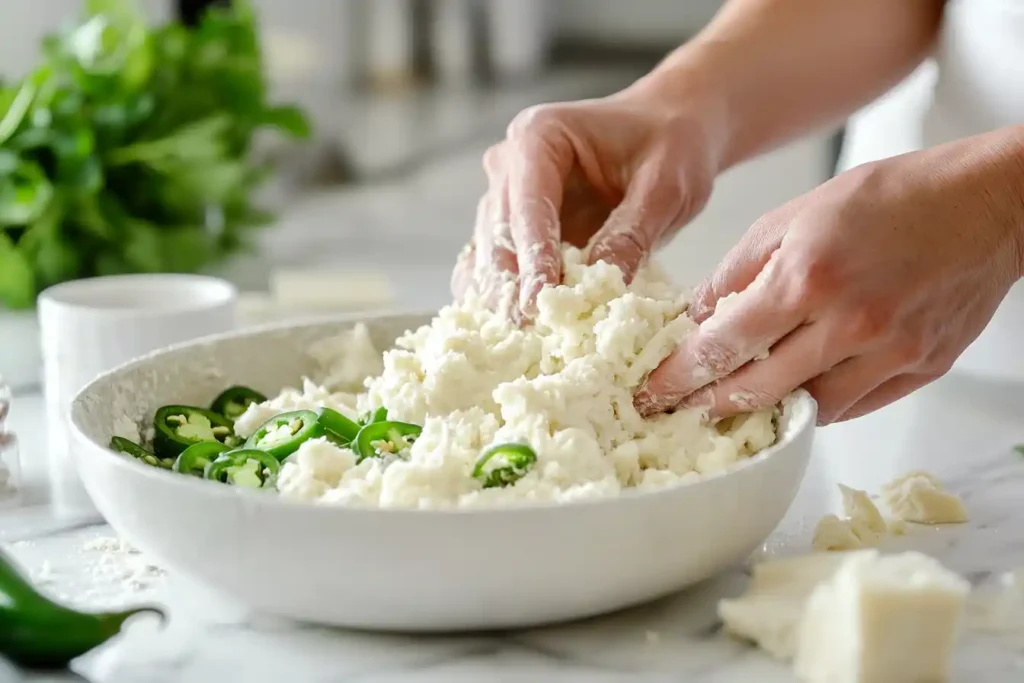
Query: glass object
(10, 464)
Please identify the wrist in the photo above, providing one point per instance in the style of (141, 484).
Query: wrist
(1009, 149)
(684, 88)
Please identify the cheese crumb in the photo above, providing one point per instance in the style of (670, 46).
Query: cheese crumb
(863, 526)
(111, 544)
(920, 497)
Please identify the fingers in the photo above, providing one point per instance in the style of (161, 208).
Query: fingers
(755, 321)
(888, 392)
(462, 275)
(538, 167)
(744, 262)
(496, 267)
(799, 357)
(847, 383)
(631, 232)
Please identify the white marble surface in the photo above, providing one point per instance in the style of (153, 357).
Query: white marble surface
(964, 431)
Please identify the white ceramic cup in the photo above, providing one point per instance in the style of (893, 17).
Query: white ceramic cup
(90, 326)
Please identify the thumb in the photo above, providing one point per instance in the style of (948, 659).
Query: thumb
(741, 265)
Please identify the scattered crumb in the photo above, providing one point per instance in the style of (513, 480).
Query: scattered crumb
(110, 544)
(44, 575)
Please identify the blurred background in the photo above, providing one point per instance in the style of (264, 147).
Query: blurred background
(403, 97)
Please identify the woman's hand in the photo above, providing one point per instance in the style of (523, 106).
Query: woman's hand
(864, 290)
(620, 173)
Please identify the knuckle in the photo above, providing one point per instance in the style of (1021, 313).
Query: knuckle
(492, 158)
(939, 367)
(533, 120)
(749, 399)
(631, 244)
(810, 280)
(715, 356)
(911, 350)
(871, 321)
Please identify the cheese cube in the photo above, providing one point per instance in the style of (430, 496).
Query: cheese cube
(881, 619)
(920, 497)
(769, 613)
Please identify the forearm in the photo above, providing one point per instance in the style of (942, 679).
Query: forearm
(771, 70)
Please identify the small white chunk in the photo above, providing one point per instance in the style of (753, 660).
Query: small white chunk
(881, 618)
(863, 526)
(833, 533)
(920, 497)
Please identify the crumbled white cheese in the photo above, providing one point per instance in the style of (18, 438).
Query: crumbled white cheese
(920, 497)
(881, 618)
(310, 397)
(863, 526)
(126, 428)
(563, 385)
(349, 358)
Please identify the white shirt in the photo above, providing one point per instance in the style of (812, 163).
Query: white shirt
(974, 83)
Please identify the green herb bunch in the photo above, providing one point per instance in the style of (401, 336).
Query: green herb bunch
(128, 148)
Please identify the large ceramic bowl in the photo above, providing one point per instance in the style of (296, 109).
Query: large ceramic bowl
(410, 570)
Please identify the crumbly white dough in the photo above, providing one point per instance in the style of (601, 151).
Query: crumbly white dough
(563, 385)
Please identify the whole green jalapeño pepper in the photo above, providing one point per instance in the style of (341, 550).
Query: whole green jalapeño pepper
(504, 464)
(129, 447)
(178, 427)
(234, 401)
(379, 438)
(37, 633)
(195, 459)
(244, 467)
(338, 426)
(282, 435)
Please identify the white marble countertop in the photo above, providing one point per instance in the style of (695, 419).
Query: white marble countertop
(959, 428)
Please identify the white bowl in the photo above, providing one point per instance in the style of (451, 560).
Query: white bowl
(411, 570)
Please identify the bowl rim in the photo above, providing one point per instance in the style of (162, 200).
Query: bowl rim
(801, 402)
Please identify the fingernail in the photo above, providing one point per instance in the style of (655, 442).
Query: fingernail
(528, 292)
(647, 403)
(643, 401)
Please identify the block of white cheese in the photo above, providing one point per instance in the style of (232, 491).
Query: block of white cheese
(770, 611)
(920, 497)
(881, 619)
(863, 526)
